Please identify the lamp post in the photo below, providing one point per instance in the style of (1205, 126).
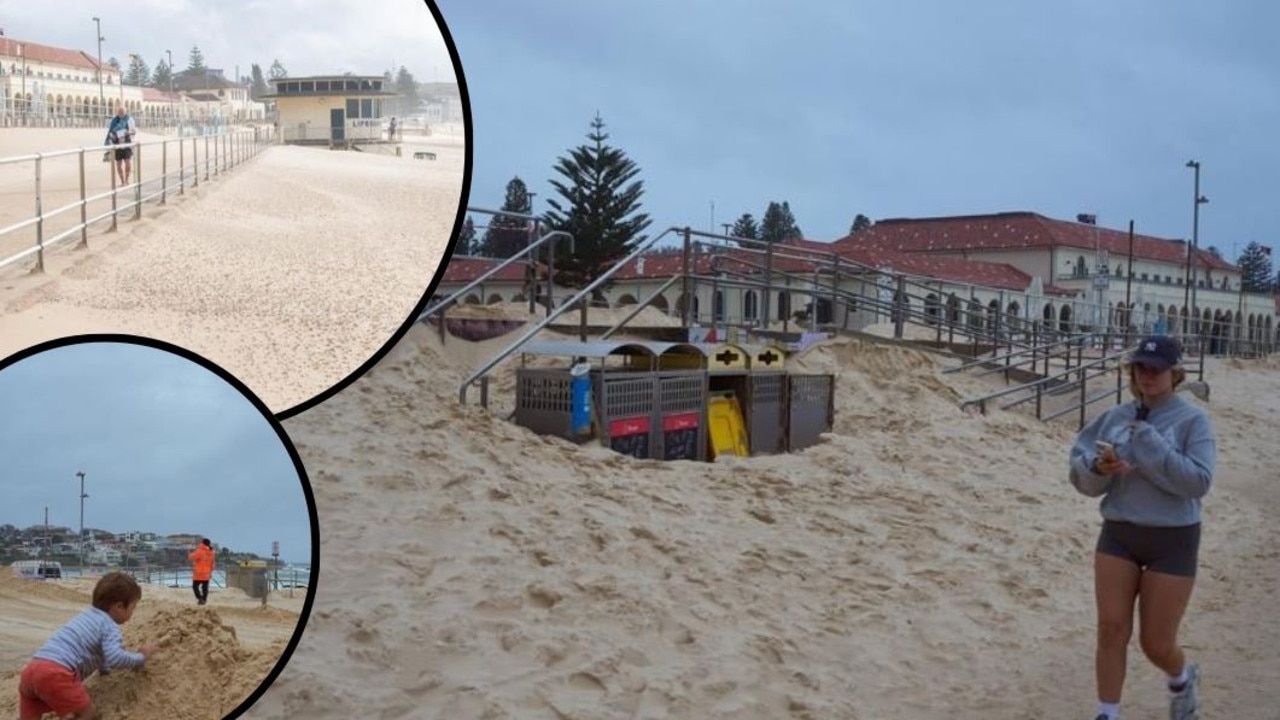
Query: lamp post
(1189, 292)
(170, 68)
(82, 498)
(102, 95)
(23, 94)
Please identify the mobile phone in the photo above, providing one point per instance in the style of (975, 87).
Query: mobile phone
(1105, 447)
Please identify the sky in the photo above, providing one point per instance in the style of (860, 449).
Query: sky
(166, 446)
(310, 37)
(890, 108)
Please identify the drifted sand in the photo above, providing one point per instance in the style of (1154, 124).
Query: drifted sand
(921, 562)
(289, 271)
(210, 658)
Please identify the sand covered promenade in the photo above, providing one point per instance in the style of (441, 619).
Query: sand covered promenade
(289, 271)
(921, 562)
(210, 659)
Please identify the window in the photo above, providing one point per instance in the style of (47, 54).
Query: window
(308, 86)
(366, 108)
(353, 108)
(1144, 276)
(322, 86)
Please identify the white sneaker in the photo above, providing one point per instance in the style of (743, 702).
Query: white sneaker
(1185, 705)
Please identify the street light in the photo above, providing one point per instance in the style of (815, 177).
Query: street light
(1189, 292)
(23, 96)
(170, 54)
(102, 95)
(82, 498)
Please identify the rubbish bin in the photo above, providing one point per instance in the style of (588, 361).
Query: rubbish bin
(580, 423)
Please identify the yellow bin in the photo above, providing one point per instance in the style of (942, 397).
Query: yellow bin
(727, 430)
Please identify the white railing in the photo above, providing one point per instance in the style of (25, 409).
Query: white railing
(160, 168)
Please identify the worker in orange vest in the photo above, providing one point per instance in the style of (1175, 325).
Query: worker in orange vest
(201, 570)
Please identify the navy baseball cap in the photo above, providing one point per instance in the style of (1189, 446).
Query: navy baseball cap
(1159, 351)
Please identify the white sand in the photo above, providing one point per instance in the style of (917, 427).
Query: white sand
(922, 562)
(289, 271)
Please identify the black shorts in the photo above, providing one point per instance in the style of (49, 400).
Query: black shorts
(124, 153)
(1169, 550)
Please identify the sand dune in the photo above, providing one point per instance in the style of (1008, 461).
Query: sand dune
(289, 272)
(921, 562)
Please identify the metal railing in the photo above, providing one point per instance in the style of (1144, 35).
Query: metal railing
(557, 312)
(55, 207)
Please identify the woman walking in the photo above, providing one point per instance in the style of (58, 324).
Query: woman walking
(1151, 461)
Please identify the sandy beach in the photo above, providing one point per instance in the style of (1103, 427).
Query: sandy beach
(921, 562)
(290, 271)
(209, 660)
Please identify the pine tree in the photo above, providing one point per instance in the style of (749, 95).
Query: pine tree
(1255, 268)
(507, 236)
(467, 244)
(161, 75)
(138, 73)
(779, 224)
(601, 203)
(195, 62)
(257, 82)
(408, 89)
(277, 70)
(860, 222)
(745, 227)
(792, 230)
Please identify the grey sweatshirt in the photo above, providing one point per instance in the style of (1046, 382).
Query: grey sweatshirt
(1172, 454)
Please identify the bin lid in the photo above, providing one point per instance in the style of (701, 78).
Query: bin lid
(590, 349)
(768, 357)
(727, 356)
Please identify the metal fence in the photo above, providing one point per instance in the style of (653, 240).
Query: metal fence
(69, 199)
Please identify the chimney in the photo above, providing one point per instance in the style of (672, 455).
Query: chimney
(640, 265)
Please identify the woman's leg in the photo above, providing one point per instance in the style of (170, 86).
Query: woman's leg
(1164, 602)
(1116, 583)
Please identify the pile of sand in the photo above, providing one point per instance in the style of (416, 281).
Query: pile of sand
(920, 562)
(200, 671)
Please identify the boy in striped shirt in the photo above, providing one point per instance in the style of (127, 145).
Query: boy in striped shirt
(53, 681)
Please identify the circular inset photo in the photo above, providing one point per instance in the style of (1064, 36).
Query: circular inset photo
(273, 188)
(158, 539)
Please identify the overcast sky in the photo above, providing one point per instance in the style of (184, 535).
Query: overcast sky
(310, 37)
(892, 108)
(166, 446)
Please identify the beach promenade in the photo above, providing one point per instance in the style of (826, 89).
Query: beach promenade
(290, 271)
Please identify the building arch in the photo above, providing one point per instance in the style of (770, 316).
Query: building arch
(627, 299)
(1064, 318)
(953, 309)
(750, 305)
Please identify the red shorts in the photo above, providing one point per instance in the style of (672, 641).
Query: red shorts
(46, 686)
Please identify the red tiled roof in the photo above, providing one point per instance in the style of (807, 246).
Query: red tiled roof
(463, 269)
(1018, 230)
(35, 52)
(150, 94)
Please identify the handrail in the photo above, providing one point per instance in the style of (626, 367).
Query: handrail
(493, 271)
(555, 313)
(231, 147)
(1040, 381)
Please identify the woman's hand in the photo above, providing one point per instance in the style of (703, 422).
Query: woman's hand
(1108, 464)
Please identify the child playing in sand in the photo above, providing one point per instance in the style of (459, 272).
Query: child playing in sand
(53, 681)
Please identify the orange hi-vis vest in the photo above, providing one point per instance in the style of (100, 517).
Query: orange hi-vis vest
(202, 563)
